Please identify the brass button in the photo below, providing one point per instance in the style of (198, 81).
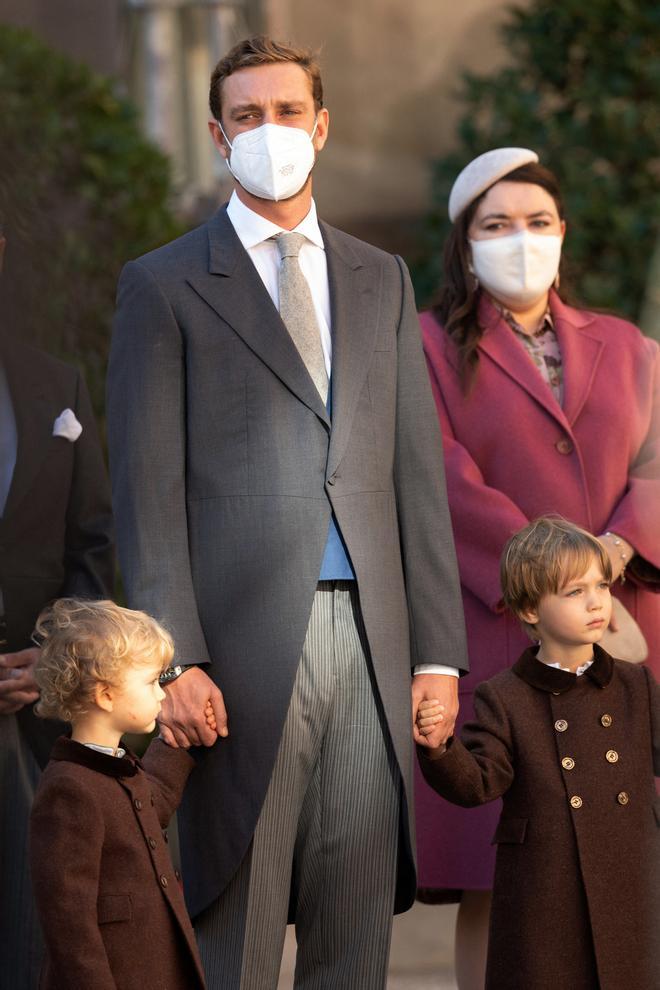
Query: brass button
(152, 842)
(564, 446)
(561, 725)
(622, 797)
(177, 875)
(576, 802)
(606, 720)
(568, 763)
(163, 880)
(611, 756)
(138, 804)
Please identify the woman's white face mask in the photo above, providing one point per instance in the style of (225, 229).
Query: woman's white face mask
(272, 161)
(518, 268)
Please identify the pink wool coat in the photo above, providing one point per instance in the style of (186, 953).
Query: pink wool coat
(511, 454)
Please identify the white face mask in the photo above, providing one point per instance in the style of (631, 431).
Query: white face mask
(271, 161)
(518, 268)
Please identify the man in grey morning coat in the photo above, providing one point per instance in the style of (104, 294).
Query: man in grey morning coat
(298, 548)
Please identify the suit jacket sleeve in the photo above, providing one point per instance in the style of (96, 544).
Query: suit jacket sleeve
(636, 516)
(427, 546)
(89, 555)
(483, 517)
(146, 439)
(168, 770)
(66, 838)
(478, 767)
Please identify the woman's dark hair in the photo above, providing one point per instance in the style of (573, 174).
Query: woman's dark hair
(458, 305)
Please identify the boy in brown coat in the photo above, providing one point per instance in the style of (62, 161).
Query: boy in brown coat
(108, 897)
(570, 739)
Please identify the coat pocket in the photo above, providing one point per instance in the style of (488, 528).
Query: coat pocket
(511, 830)
(114, 907)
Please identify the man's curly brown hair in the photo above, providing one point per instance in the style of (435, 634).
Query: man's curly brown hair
(86, 643)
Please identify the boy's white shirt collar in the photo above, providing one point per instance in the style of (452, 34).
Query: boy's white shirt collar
(253, 229)
(108, 750)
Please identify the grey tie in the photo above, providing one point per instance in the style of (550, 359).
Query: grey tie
(297, 310)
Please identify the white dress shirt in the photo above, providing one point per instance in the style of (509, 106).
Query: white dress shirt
(254, 233)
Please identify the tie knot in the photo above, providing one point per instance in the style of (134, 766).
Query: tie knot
(289, 245)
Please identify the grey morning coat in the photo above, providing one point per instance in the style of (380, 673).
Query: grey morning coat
(225, 469)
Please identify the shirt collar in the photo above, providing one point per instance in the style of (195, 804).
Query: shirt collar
(543, 324)
(253, 229)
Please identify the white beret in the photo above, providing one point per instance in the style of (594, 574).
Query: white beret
(482, 172)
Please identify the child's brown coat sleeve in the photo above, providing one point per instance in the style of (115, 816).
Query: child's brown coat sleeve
(168, 770)
(478, 767)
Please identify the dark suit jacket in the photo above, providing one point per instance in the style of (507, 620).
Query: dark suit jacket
(56, 531)
(577, 880)
(108, 898)
(225, 469)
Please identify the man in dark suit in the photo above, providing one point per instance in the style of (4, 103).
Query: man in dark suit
(279, 493)
(55, 539)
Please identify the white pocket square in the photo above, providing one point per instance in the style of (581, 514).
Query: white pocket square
(66, 425)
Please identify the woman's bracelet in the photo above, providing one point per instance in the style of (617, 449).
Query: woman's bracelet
(618, 542)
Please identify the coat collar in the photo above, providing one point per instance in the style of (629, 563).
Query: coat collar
(66, 749)
(556, 681)
(580, 351)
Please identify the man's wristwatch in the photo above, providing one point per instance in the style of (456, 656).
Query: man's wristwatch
(172, 673)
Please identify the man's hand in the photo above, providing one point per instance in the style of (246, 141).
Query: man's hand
(183, 717)
(17, 684)
(442, 689)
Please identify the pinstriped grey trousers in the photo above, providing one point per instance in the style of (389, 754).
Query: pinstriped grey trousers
(328, 830)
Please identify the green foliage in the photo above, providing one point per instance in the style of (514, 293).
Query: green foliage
(81, 191)
(582, 88)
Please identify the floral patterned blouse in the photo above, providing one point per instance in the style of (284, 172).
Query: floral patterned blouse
(543, 348)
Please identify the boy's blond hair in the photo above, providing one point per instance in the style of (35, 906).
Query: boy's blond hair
(86, 643)
(544, 557)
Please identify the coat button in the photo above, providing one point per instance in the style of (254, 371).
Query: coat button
(165, 835)
(138, 804)
(568, 763)
(177, 874)
(622, 797)
(331, 479)
(152, 842)
(561, 725)
(163, 880)
(606, 720)
(576, 802)
(611, 756)
(564, 446)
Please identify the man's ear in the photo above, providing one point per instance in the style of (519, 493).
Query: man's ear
(104, 696)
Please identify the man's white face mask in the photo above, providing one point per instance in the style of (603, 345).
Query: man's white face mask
(519, 267)
(271, 161)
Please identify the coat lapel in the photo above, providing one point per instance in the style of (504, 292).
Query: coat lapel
(34, 423)
(355, 291)
(233, 288)
(580, 352)
(500, 344)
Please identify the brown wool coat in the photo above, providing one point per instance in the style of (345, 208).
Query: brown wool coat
(576, 899)
(109, 900)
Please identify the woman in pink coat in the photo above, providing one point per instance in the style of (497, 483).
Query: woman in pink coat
(544, 409)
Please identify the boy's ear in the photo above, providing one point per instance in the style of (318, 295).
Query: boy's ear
(530, 616)
(104, 696)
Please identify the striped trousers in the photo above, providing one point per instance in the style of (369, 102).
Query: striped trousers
(326, 839)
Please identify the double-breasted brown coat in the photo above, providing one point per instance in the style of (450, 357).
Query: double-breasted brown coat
(108, 897)
(576, 900)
